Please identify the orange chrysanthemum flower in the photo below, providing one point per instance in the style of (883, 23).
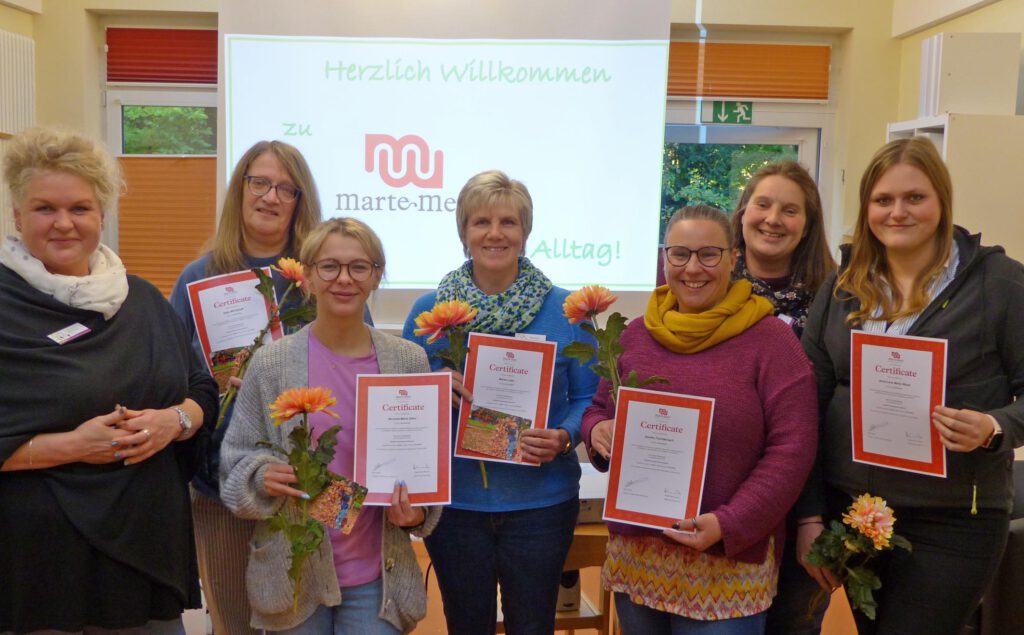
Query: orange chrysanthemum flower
(292, 270)
(301, 401)
(872, 517)
(586, 303)
(444, 316)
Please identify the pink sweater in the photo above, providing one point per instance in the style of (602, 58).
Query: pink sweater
(764, 434)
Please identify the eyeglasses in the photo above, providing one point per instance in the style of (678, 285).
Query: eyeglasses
(260, 186)
(359, 270)
(678, 255)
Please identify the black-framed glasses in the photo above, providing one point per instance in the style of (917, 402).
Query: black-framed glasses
(329, 269)
(678, 255)
(259, 186)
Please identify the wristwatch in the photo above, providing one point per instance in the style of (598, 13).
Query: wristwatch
(568, 444)
(997, 435)
(184, 421)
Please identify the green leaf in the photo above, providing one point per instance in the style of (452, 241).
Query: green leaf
(295, 315)
(266, 284)
(653, 379)
(900, 542)
(589, 328)
(580, 351)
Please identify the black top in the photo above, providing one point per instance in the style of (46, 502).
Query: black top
(94, 545)
(979, 313)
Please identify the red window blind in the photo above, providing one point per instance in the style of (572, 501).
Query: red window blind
(162, 55)
(768, 71)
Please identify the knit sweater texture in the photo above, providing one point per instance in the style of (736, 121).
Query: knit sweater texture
(274, 368)
(763, 431)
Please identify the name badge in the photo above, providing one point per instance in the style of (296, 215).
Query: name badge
(69, 333)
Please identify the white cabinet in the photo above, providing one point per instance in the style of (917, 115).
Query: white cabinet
(985, 156)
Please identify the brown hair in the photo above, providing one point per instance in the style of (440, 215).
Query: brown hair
(227, 247)
(811, 261)
(702, 212)
(867, 276)
(488, 189)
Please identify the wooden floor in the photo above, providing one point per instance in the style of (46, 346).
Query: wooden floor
(838, 620)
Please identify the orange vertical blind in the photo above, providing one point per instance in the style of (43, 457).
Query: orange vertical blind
(166, 214)
(765, 71)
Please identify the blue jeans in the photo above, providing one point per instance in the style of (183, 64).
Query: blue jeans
(637, 619)
(523, 551)
(356, 615)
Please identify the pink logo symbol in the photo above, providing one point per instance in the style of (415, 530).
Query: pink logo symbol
(402, 392)
(229, 289)
(510, 355)
(404, 161)
(895, 355)
(663, 412)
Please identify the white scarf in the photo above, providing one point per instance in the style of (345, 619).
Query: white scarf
(103, 290)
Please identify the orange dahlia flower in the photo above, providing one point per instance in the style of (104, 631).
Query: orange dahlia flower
(584, 304)
(873, 518)
(291, 269)
(444, 316)
(301, 401)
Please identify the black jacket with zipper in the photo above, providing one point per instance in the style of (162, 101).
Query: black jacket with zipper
(981, 314)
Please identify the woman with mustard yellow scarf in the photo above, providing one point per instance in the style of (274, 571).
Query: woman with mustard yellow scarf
(712, 337)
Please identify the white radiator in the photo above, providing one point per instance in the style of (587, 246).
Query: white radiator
(17, 102)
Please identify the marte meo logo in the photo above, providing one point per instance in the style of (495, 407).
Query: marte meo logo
(510, 355)
(895, 355)
(404, 161)
(402, 392)
(663, 412)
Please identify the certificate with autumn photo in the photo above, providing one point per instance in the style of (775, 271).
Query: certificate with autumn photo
(896, 382)
(403, 433)
(659, 457)
(229, 312)
(510, 379)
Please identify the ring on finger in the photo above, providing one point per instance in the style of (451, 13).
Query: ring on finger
(146, 432)
(694, 521)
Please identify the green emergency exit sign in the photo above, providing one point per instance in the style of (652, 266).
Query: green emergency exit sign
(729, 112)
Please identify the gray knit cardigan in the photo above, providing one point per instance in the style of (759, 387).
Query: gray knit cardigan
(274, 368)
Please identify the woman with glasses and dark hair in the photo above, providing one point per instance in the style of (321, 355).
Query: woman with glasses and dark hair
(781, 250)
(367, 581)
(910, 271)
(270, 205)
(514, 530)
(711, 337)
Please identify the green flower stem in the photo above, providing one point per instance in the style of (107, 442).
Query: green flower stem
(229, 395)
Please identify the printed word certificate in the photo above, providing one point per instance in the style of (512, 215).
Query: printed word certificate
(896, 382)
(510, 379)
(403, 433)
(659, 457)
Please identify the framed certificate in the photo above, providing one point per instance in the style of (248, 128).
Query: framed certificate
(403, 432)
(229, 313)
(510, 379)
(659, 457)
(896, 382)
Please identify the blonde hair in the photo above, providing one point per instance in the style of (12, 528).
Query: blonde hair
(811, 261)
(867, 277)
(42, 150)
(350, 228)
(227, 247)
(491, 189)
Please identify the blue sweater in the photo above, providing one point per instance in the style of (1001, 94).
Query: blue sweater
(515, 487)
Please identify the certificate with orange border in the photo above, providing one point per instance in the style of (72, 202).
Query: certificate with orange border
(229, 312)
(659, 457)
(403, 433)
(510, 379)
(896, 382)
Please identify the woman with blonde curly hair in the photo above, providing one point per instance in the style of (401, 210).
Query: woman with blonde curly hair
(101, 404)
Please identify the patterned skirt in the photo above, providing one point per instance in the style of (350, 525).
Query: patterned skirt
(672, 578)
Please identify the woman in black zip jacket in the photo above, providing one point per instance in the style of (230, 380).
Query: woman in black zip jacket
(912, 272)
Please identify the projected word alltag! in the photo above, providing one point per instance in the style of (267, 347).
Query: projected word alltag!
(404, 161)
